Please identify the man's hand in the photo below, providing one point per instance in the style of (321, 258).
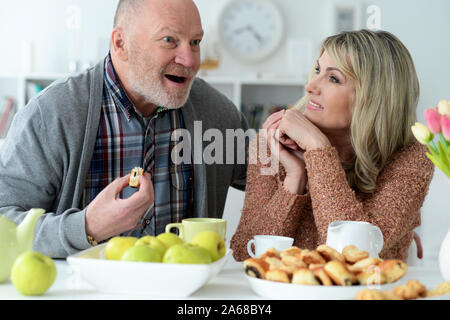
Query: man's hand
(107, 215)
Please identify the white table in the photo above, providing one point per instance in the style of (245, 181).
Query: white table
(230, 284)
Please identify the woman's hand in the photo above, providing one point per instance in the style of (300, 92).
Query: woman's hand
(292, 161)
(303, 132)
(272, 123)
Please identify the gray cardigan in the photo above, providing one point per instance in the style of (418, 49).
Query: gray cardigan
(46, 156)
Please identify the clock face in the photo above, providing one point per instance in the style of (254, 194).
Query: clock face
(251, 29)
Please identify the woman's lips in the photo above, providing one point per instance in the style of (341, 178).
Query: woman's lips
(313, 105)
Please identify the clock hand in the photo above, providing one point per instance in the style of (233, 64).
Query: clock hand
(256, 34)
(242, 29)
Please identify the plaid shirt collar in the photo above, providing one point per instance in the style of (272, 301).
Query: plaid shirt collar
(118, 93)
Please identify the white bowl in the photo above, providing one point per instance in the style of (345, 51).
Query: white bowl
(289, 291)
(150, 278)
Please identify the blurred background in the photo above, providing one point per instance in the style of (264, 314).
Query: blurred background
(44, 40)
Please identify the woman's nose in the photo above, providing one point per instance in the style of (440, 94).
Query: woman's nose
(312, 87)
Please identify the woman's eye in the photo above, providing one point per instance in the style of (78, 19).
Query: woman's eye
(317, 70)
(334, 79)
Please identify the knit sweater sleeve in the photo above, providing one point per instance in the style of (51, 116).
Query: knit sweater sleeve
(268, 207)
(394, 206)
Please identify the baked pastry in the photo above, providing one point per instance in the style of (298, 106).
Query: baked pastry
(339, 273)
(371, 276)
(323, 277)
(316, 265)
(304, 276)
(292, 251)
(277, 275)
(293, 261)
(413, 289)
(312, 256)
(393, 269)
(443, 288)
(256, 268)
(352, 254)
(271, 252)
(364, 264)
(329, 253)
(277, 263)
(370, 294)
(136, 172)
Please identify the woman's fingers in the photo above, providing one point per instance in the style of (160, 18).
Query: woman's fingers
(273, 118)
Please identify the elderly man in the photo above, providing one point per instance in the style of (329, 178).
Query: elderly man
(70, 149)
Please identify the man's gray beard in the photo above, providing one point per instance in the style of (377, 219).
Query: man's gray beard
(155, 93)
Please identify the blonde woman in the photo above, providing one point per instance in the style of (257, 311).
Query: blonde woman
(345, 151)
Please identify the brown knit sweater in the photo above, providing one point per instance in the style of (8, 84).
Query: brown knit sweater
(394, 206)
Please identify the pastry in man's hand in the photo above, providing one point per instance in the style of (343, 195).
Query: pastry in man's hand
(136, 172)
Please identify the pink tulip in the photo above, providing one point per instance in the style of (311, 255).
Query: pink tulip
(433, 119)
(445, 123)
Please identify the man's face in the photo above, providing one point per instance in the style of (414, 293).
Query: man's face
(164, 52)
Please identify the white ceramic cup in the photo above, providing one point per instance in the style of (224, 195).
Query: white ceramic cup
(363, 235)
(264, 242)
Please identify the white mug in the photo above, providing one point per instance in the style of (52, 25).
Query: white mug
(362, 235)
(264, 242)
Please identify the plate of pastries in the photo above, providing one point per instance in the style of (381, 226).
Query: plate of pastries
(322, 273)
(411, 290)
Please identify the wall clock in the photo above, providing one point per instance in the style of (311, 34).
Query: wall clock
(251, 30)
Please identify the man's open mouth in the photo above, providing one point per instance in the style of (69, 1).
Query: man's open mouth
(176, 79)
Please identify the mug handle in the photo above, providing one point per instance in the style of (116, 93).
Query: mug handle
(179, 226)
(249, 248)
(379, 237)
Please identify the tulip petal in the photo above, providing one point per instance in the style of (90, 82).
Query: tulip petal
(445, 125)
(422, 133)
(433, 119)
(444, 107)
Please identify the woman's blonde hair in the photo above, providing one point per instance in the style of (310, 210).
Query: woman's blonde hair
(386, 97)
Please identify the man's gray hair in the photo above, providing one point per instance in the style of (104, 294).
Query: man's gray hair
(127, 10)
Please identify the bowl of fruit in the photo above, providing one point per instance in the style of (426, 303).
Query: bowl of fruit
(158, 266)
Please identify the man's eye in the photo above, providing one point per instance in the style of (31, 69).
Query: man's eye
(169, 39)
(195, 42)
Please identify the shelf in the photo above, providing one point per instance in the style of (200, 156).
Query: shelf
(248, 91)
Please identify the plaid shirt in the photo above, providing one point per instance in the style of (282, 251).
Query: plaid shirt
(125, 140)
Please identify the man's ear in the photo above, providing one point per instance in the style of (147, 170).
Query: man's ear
(118, 44)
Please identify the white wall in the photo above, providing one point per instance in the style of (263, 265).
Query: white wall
(423, 26)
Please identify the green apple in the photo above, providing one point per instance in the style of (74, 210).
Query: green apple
(33, 273)
(211, 241)
(117, 246)
(187, 253)
(153, 243)
(169, 239)
(141, 253)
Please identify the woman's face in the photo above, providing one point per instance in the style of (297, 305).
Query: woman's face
(331, 96)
